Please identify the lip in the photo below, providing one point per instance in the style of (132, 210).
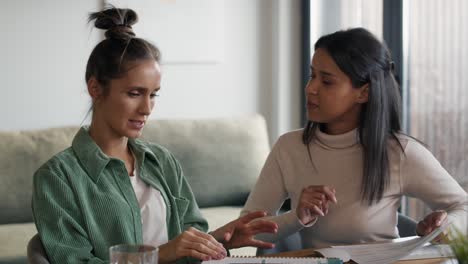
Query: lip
(312, 105)
(136, 124)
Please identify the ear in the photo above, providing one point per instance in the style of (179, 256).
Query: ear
(363, 95)
(94, 89)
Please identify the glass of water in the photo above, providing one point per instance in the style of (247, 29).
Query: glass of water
(133, 254)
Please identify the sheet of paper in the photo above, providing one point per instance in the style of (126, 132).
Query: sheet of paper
(431, 251)
(383, 253)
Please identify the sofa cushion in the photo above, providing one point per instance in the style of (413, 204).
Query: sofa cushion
(14, 239)
(22, 153)
(221, 159)
(219, 216)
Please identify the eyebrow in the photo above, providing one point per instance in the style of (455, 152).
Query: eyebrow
(141, 89)
(323, 72)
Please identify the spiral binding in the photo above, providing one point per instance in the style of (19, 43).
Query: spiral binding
(274, 260)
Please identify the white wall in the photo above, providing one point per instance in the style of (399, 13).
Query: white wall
(45, 46)
(43, 51)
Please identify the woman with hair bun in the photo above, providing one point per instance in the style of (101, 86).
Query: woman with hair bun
(111, 188)
(347, 169)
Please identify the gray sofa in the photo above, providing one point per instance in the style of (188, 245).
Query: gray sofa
(221, 159)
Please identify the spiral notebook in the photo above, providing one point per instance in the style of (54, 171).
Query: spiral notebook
(274, 260)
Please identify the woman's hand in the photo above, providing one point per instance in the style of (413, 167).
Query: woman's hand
(314, 202)
(241, 232)
(431, 222)
(191, 243)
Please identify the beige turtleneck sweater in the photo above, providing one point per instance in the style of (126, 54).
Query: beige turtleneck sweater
(338, 163)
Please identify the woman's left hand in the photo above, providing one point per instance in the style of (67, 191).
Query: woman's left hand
(431, 222)
(241, 232)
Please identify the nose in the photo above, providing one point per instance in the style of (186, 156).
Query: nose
(146, 106)
(311, 87)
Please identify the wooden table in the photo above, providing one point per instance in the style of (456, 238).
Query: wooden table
(312, 253)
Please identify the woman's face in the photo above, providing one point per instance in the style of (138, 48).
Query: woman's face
(130, 100)
(331, 98)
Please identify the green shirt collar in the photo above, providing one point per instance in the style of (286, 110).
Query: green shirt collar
(95, 161)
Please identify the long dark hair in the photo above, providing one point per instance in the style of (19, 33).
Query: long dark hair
(112, 57)
(365, 60)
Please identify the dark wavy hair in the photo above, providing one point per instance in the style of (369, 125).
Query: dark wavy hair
(365, 60)
(113, 56)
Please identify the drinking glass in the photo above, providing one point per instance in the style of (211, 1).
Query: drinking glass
(133, 254)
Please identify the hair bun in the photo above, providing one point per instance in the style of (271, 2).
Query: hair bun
(117, 21)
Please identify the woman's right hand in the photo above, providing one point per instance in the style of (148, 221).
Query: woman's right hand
(191, 243)
(313, 202)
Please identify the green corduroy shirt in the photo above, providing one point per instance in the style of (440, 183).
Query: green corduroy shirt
(83, 201)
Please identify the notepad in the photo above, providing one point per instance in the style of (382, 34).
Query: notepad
(273, 260)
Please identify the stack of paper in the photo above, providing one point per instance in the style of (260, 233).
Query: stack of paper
(431, 251)
(381, 253)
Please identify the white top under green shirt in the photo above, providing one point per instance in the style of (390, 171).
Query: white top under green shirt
(338, 161)
(152, 210)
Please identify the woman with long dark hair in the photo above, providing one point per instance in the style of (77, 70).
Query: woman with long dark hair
(347, 170)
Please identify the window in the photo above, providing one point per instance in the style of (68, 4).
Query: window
(438, 82)
(328, 16)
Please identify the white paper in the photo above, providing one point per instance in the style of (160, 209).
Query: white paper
(431, 251)
(384, 253)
